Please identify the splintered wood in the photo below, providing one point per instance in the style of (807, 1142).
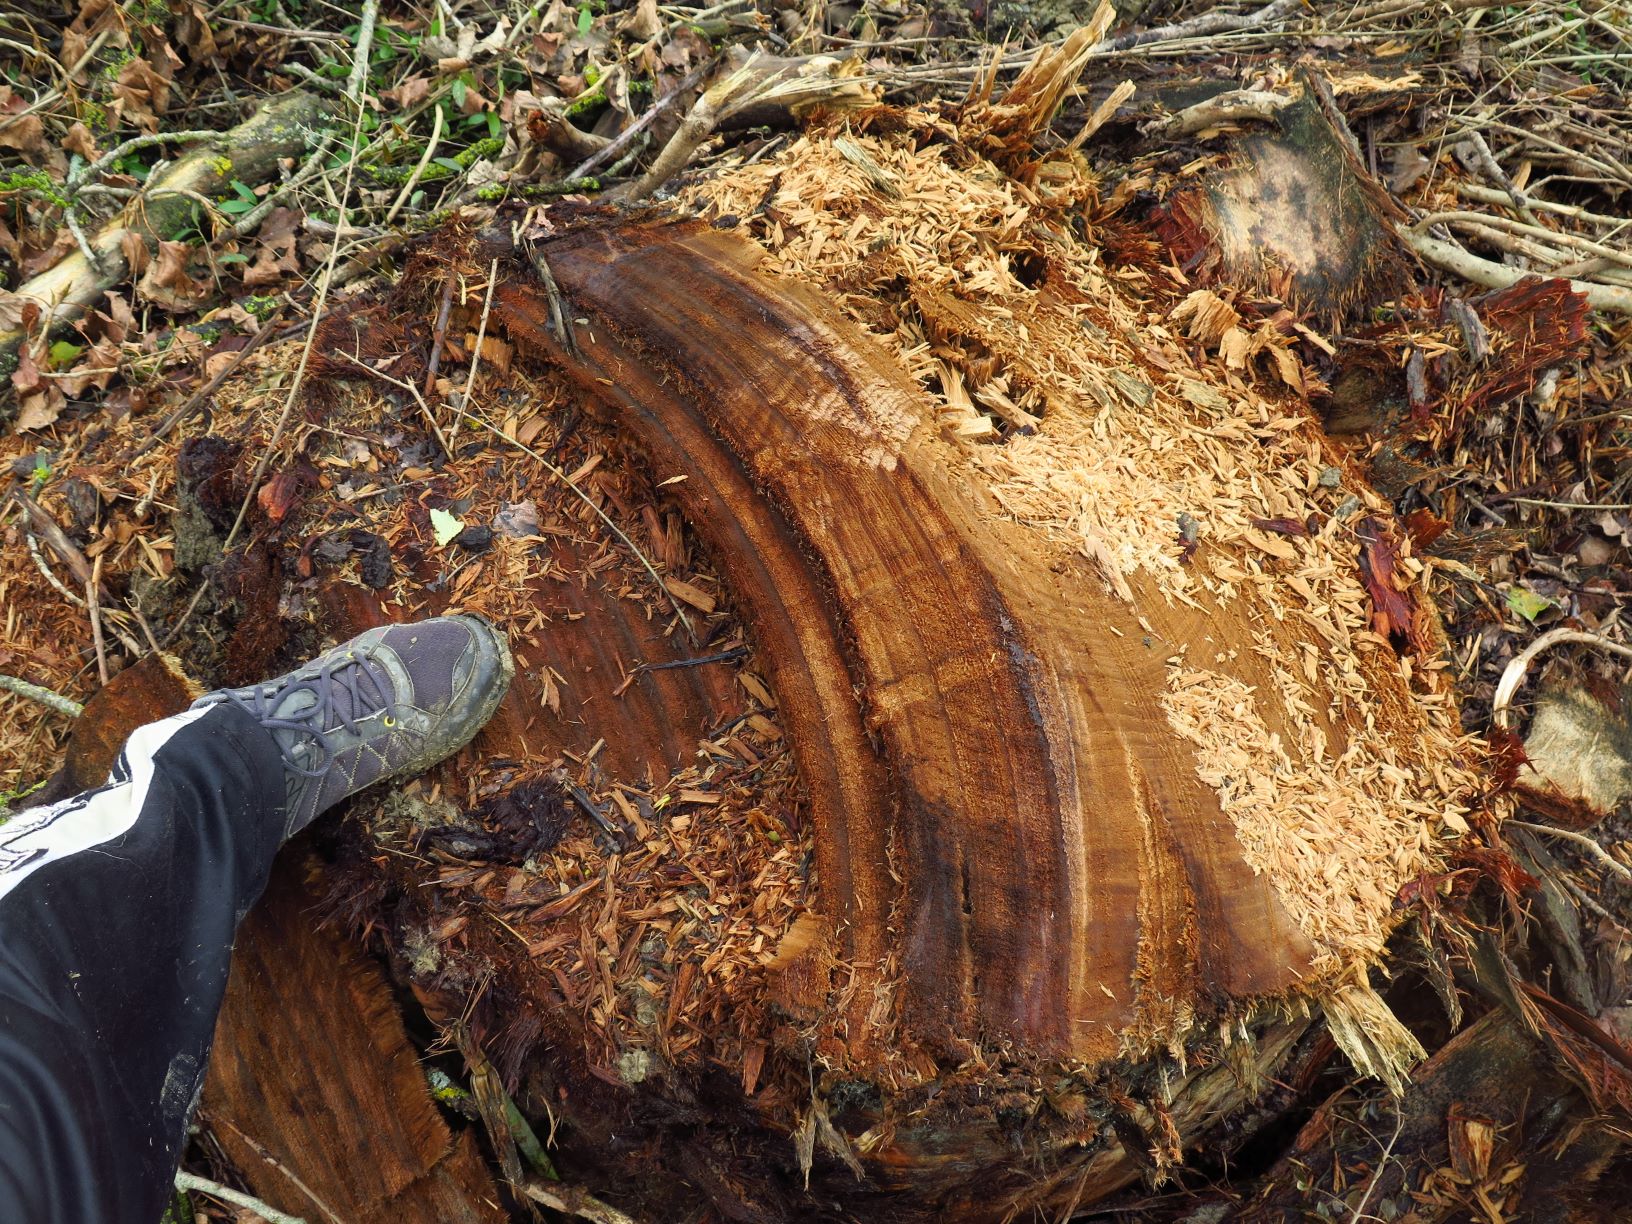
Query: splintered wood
(1186, 473)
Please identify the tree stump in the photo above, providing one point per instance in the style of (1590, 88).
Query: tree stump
(1006, 718)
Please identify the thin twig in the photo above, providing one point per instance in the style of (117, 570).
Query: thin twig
(590, 502)
(66, 706)
(439, 334)
(419, 169)
(1519, 666)
(95, 169)
(359, 57)
(209, 388)
(424, 408)
(306, 350)
(1578, 839)
(94, 605)
(624, 138)
(260, 1150)
(45, 569)
(481, 335)
(202, 1185)
(251, 221)
(54, 535)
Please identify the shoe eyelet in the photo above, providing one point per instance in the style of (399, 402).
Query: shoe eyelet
(389, 721)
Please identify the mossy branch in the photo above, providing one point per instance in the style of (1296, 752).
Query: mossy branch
(249, 153)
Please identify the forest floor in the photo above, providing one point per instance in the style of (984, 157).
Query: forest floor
(1493, 411)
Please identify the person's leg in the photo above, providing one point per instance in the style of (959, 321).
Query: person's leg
(118, 907)
(117, 913)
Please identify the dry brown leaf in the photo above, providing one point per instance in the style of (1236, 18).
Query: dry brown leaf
(39, 409)
(166, 281)
(411, 92)
(17, 313)
(141, 93)
(275, 255)
(79, 140)
(26, 135)
(134, 248)
(95, 367)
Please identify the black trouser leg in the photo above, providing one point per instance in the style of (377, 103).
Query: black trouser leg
(117, 914)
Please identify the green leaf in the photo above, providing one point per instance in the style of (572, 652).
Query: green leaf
(447, 163)
(232, 257)
(62, 352)
(585, 17)
(1527, 603)
(494, 128)
(457, 92)
(444, 526)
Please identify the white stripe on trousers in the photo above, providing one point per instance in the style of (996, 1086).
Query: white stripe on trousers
(37, 836)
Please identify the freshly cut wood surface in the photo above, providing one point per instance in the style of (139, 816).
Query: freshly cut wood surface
(1059, 855)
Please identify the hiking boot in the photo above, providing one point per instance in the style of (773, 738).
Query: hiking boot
(392, 701)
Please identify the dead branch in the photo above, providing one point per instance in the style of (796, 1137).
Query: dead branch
(1207, 23)
(1452, 258)
(66, 706)
(1233, 107)
(248, 153)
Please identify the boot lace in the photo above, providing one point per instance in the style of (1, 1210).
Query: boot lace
(345, 690)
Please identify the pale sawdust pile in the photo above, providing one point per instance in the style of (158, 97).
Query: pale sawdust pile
(1092, 417)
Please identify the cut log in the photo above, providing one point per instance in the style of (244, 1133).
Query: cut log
(314, 1090)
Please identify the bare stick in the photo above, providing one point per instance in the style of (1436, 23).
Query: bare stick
(87, 173)
(1535, 231)
(1208, 23)
(624, 139)
(575, 1202)
(439, 334)
(66, 706)
(202, 1185)
(481, 335)
(95, 606)
(1452, 258)
(419, 168)
(54, 535)
(359, 57)
(1578, 839)
(1519, 666)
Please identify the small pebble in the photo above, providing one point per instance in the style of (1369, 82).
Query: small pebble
(1330, 477)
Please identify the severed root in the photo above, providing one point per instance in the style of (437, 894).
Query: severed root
(189, 1181)
(576, 1202)
(1232, 107)
(1519, 667)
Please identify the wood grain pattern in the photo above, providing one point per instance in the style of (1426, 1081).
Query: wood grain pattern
(1060, 866)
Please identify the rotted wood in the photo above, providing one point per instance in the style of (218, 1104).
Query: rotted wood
(1491, 1128)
